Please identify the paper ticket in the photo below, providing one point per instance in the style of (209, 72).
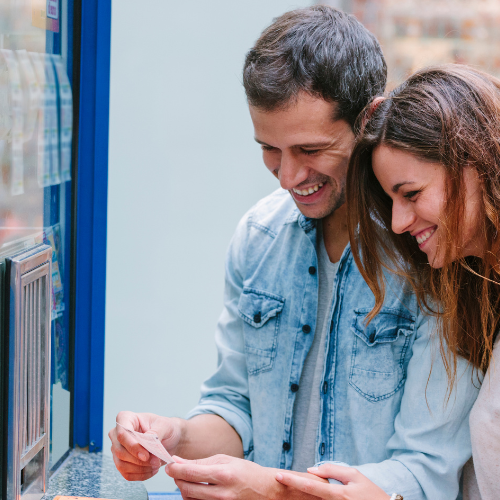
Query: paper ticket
(152, 443)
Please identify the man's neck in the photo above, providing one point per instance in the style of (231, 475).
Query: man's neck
(335, 233)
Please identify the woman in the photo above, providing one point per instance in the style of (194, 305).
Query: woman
(424, 201)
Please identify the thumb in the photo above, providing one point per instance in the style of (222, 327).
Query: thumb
(339, 472)
(166, 429)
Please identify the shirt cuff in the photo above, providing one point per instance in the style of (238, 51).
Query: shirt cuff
(242, 424)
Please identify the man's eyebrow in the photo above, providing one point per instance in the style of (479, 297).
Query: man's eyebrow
(313, 145)
(396, 187)
(310, 145)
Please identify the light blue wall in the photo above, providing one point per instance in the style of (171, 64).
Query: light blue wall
(183, 168)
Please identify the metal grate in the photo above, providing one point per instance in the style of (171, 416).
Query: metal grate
(33, 369)
(29, 373)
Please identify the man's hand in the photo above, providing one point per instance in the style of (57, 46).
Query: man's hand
(133, 461)
(199, 437)
(356, 486)
(230, 478)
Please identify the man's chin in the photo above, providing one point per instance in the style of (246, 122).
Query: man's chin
(312, 213)
(318, 211)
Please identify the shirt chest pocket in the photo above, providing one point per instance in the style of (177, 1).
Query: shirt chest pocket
(378, 367)
(261, 313)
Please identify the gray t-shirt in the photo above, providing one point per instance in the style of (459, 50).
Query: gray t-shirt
(307, 400)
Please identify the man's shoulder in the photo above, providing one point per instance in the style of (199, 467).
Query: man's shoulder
(274, 211)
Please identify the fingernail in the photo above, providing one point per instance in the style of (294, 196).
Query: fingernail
(313, 469)
(279, 476)
(142, 457)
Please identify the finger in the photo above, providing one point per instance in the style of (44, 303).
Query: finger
(130, 443)
(139, 477)
(193, 473)
(128, 468)
(341, 473)
(311, 487)
(198, 491)
(214, 460)
(123, 454)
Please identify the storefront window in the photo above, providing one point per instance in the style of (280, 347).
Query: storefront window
(35, 166)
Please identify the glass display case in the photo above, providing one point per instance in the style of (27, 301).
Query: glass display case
(36, 120)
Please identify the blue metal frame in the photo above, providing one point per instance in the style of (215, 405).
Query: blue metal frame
(91, 213)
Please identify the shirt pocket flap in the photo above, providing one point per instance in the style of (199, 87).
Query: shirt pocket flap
(257, 307)
(386, 327)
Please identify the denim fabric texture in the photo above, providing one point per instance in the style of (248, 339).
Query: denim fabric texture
(384, 389)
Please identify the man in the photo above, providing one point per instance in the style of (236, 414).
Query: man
(301, 377)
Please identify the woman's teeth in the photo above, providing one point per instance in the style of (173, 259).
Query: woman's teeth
(307, 192)
(421, 238)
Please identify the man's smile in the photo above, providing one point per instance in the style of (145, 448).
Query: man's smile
(308, 195)
(308, 191)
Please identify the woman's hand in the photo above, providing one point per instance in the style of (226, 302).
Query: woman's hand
(355, 485)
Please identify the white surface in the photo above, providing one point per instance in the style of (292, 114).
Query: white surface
(60, 422)
(183, 169)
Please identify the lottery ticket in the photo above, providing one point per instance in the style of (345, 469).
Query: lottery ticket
(152, 443)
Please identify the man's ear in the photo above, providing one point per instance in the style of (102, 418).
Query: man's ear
(374, 105)
(371, 109)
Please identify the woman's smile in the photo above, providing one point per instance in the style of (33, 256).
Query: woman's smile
(423, 236)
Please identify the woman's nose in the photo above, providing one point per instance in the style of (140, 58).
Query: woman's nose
(403, 216)
(292, 171)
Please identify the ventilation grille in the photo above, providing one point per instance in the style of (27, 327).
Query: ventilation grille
(33, 366)
(30, 286)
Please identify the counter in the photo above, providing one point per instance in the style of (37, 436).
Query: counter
(93, 475)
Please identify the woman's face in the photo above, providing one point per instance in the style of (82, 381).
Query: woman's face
(417, 189)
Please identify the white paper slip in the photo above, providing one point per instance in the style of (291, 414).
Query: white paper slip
(152, 443)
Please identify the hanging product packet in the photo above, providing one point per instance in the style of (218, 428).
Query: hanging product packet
(16, 135)
(32, 91)
(152, 443)
(65, 117)
(51, 114)
(44, 152)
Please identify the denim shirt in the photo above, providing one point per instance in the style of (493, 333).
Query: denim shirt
(384, 389)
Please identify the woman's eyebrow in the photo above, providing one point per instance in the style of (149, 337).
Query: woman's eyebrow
(396, 187)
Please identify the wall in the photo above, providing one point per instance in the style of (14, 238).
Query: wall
(183, 168)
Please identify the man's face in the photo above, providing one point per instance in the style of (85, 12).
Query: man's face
(307, 151)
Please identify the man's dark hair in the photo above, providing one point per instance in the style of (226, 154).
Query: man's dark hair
(318, 50)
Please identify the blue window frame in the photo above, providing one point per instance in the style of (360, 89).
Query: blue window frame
(91, 60)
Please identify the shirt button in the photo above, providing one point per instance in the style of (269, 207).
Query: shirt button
(312, 270)
(325, 387)
(257, 318)
(286, 446)
(372, 338)
(322, 451)
(306, 329)
(294, 387)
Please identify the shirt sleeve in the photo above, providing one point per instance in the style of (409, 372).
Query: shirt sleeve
(226, 392)
(431, 440)
(485, 431)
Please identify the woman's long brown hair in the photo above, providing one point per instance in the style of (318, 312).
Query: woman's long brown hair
(450, 115)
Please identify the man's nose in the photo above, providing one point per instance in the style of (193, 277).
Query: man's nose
(292, 170)
(403, 216)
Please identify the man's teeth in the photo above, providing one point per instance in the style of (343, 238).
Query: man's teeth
(307, 192)
(425, 236)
